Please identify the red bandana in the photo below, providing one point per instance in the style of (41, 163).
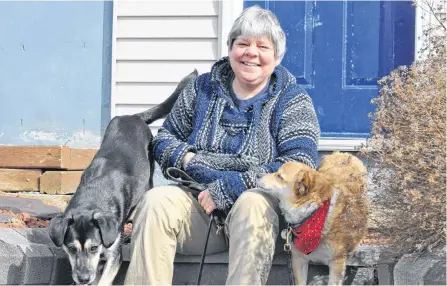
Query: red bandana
(307, 236)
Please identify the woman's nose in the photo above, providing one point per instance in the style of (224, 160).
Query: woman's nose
(251, 50)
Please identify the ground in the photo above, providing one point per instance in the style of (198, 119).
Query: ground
(29, 210)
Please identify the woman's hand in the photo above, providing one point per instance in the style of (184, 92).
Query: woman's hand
(206, 201)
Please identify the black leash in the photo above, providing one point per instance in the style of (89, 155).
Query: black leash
(217, 216)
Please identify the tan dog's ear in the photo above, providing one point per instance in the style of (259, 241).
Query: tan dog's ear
(303, 182)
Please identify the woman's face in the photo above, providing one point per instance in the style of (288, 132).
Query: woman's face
(252, 60)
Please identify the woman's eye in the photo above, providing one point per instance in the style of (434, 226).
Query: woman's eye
(279, 177)
(72, 249)
(93, 248)
(264, 47)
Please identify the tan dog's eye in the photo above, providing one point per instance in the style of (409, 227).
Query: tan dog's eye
(278, 175)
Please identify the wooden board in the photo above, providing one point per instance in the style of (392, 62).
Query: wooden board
(34, 156)
(16, 180)
(59, 182)
(45, 157)
(80, 158)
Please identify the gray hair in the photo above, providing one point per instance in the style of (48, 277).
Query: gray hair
(257, 22)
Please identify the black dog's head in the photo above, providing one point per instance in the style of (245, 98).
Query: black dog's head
(84, 237)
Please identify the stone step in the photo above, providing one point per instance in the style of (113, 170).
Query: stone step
(216, 273)
(360, 270)
(27, 256)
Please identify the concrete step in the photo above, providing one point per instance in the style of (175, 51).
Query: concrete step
(27, 256)
(360, 270)
(185, 273)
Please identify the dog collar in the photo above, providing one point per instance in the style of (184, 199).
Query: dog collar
(307, 236)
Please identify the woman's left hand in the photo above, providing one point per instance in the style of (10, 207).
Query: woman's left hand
(206, 201)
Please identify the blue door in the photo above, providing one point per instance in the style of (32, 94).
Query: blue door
(339, 50)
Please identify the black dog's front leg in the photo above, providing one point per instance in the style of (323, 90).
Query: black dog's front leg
(111, 268)
(114, 258)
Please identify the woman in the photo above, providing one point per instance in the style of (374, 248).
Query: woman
(247, 116)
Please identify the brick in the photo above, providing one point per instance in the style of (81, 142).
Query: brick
(35, 235)
(55, 157)
(364, 255)
(61, 267)
(38, 264)
(421, 269)
(36, 260)
(19, 180)
(8, 235)
(81, 158)
(385, 267)
(11, 264)
(60, 182)
(364, 276)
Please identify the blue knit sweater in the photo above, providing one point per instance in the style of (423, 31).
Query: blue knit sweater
(233, 145)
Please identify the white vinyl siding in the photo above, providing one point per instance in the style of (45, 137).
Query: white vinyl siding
(156, 44)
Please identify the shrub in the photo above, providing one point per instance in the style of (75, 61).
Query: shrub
(407, 150)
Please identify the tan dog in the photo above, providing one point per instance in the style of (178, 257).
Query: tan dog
(334, 197)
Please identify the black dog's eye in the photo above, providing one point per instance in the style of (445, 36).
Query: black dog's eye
(72, 249)
(94, 249)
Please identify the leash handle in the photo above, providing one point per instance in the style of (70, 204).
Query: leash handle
(181, 177)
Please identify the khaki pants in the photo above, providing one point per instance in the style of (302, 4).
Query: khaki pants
(168, 220)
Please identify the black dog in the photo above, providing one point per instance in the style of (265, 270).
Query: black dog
(118, 176)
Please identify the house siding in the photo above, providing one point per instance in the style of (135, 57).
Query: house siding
(155, 45)
(54, 78)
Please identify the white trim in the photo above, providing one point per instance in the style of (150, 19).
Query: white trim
(113, 63)
(418, 31)
(341, 144)
(423, 21)
(229, 10)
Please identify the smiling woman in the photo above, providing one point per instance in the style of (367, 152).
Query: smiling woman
(247, 116)
(252, 61)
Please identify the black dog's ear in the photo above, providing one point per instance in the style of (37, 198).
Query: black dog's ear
(108, 228)
(58, 228)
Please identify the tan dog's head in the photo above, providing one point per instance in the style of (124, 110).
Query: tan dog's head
(296, 183)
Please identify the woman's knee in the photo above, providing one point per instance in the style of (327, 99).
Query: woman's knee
(255, 208)
(162, 201)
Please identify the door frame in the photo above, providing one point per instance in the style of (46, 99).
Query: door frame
(228, 12)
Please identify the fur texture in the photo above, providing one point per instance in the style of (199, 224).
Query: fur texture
(111, 186)
(341, 178)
